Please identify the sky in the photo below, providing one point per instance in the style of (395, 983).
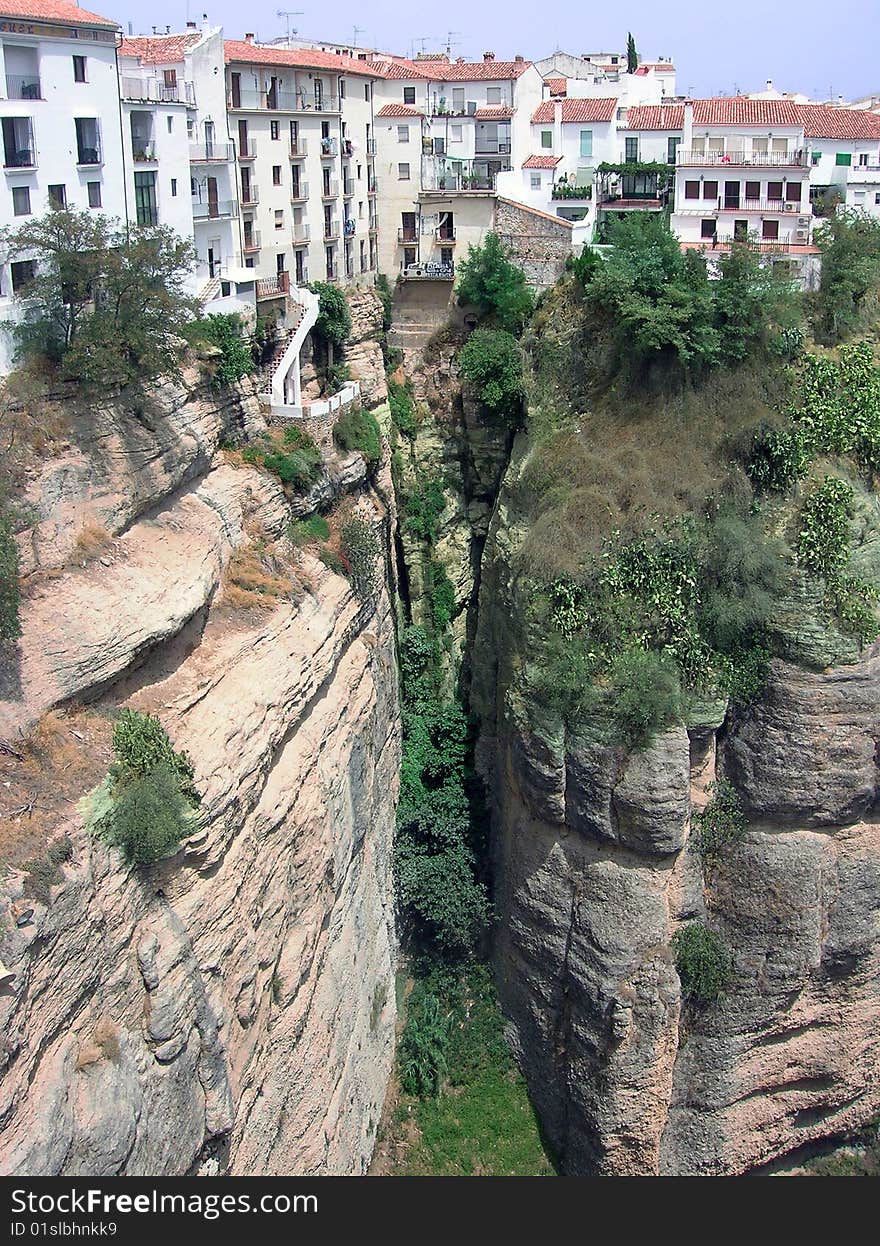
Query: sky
(823, 49)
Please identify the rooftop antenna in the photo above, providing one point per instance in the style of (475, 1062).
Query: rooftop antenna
(358, 30)
(289, 13)
(453, 38)
(412, 45)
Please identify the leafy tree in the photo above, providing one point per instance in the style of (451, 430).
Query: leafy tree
(492, 361)
(847, 295)
(236, 352)
(749, 297)
(632, 56)
(488, 280)
(333, 326)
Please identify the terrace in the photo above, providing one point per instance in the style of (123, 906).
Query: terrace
(798, 159)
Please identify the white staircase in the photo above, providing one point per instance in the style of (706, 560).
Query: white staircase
(284, 391)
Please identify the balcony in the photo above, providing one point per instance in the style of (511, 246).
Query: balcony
(143, 153)
(210, 153)
(865, 174)
(611, 201)
(372, 189)
(330, 190)
(798, 159)
(349, 227)
(407, 237)
(331, 231)
(250, 196)
(568, 190)
(765, 246)
(442, 174)
(445, 236)
(248, 99)
(329, 148)
(300, 235)
(251, 241)
(486, 147)
(790, 207)
(208, 210)
(299, 150)
(347, 149)
(89, 157)
(300, 192)
(247, 151)
(302, 275)
(146, 89)
(23, 158)
(273, 287)
(23, 87)
(348, 188)
(370, 146)
(374, 225)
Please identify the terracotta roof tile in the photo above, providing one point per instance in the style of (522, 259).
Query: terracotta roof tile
(399, 110)
(441, 70)
(541, 162)
(558, 86)
(740, 111)
(158, 49)
(494, 112)
(822, 121)
(54, 11)
(656, 117)
(239, 51)
(577, 110)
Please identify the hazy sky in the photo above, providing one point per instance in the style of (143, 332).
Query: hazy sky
(818, 47)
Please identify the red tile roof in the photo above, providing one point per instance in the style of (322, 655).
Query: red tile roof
(655, 117)
(558, 86)
(441, 70)
(399, 110)
(541, 162)
(494, 112)
(240, 52)
(54, 11)
(577, 110)
(822, 121)
(158, 49)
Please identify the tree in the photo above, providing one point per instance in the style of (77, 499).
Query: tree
(632, 56)
(489, 281)
(749, 297)
(10, 594)
(333, 326)
(847, 295)
(492, 361)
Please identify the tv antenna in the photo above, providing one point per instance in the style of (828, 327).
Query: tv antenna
(358, 30)
(453, 38)
(289, 13)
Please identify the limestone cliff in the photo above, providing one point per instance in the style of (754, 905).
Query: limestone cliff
(232, 1007)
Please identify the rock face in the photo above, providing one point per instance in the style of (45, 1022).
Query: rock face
(594, 874)
(233, 1005)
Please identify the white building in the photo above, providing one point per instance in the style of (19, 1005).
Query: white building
(844, 156)
(60, 120)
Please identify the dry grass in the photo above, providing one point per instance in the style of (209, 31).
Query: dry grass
(67, 754)
(258, 578)
(104, 1044)
(91, 541)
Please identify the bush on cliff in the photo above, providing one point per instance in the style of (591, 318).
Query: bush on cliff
(236, 351)
(492, 361)
(359, 430)
(10, 592)
(704, 962)
(488, 280)
(848, 298)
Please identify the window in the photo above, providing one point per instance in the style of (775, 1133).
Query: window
(793, 192)
(94, 189)
(174, 188)
(439, 146)
(631, 150)
(547, 138)
(843, 157)
(58, 196)
(409, 256)
(145, 198)
(458, 99)
(366, 90)
(18, 143)
(403, 172)
(21, 200)
(707, 227)
(493, 95)
(877, 197)
(753, 190)
(455, 135)
(770, 230)
(403, 134)
(409, 95)
(88, 143)
(672, 145)
(586, 143)
(710, 190)
(535, 181)
(342, 88)
(279, 218)
(815, 157)
(274, 129)
(23, 273)
(774, 190)
(276, 174)
(170, 123)
(79, 69)
(692, 190)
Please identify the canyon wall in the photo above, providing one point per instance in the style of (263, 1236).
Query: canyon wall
(232, 1007)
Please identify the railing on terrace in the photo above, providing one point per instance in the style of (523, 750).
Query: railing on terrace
(427, 272)
(89, 156)
(486, 147)
(407, 235)
(209, 153)
(22, 158)
(764, 245)
(248, 99)
(23, 87)
(348, 188)
(371, 146)
(251, 240)
(143, 153)
(141, 87)
(331, 230)
(330, 190)
(204, 210)
(567, 190)
(300, 235)
(329, 148)
(445, 235)
(769, 159)
(300, 192)
(273, 287)
(299, 149)
(791, 206)
(248, 150)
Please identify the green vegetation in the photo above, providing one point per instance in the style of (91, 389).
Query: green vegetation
(361, 551)
(846, 301)
(43, 873)
(227, 334)
(422, 509)
(291, 456)
(632, 56)
(823, 550)
(489, 281)
(358, 430)
(307, 531)
(147, 802)
(107, 302)
(403, 410)
(721, 824)
(492, 361)
(421, 1056)
(704, 962)
(333, 325)
(10, 591)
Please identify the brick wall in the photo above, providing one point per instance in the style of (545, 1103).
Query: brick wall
(538, 243)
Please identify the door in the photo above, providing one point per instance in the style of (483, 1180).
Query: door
(740, 231)
(272, 94)
(245, 185)
(300, 270)
(446, 232)
(209, 139)
(213, 201)
(212, 261)
(242, 138)
(408, 226)
(236, 90)
(319, 94)
(731, 195)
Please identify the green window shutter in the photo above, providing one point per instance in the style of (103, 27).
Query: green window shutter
(546, 138)
(586, 143)
(843, 157)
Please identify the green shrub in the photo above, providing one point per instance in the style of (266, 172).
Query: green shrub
(775, 459)
(704, 962)
(43, 873)
(422, 509)
(333, 562)
(150, 816)
(488, 280)
(492, 361)
(721, 824)
(307, 531)
(10, 591)
(334, 317)
(141, 744)
(847, 296)
(297, 464)
(441, 592)
(361, 549)
(225, 332)
(645, 694)
(403, 411)
(421, 1056)
(359, 430)
(824, 536)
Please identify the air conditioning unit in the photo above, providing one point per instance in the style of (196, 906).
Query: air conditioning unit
(790, 207)
(802, 235)
(504, 149)
(803, 222)
(471, 107)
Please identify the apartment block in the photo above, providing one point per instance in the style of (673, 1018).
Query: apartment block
(844, 157)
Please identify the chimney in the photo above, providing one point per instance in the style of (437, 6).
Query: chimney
(769, 84)
(557, 127)
(687, 129)
(249, 37)
(191, 26)
(517, 60)
(488, 56)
